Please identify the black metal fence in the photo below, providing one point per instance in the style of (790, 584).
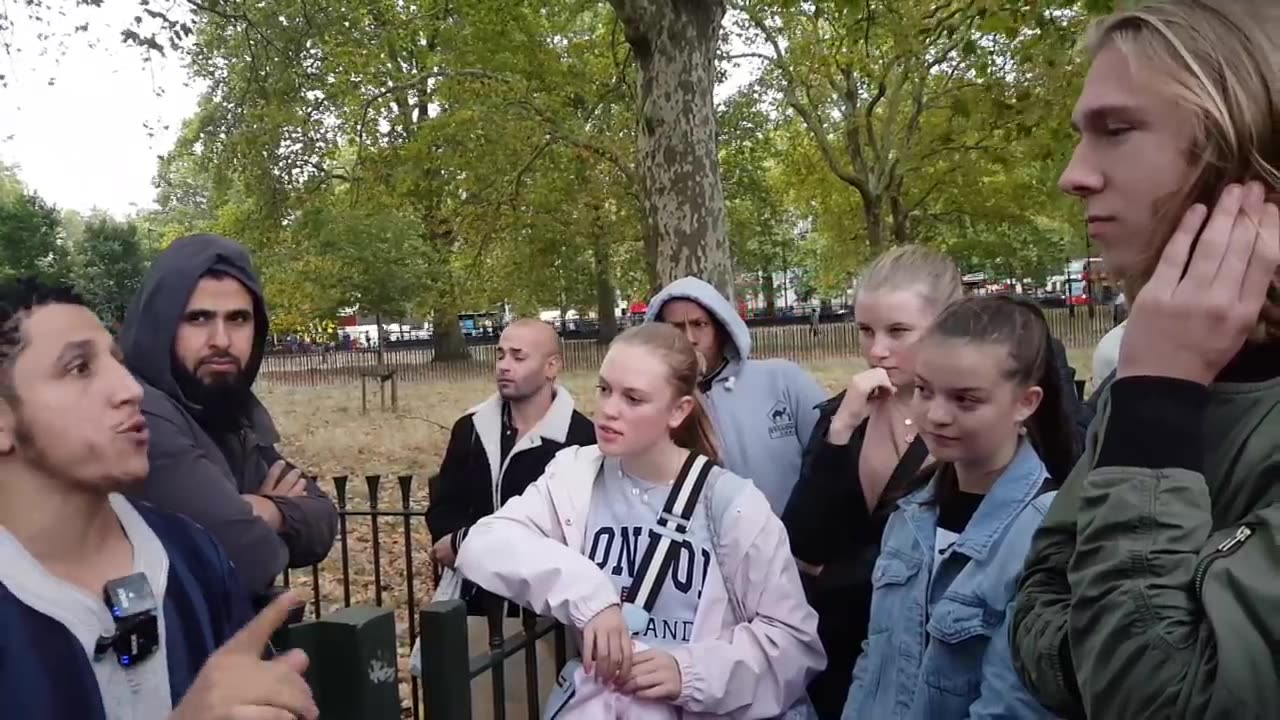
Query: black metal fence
(357, 573)
(449, 668)
(1076, 327)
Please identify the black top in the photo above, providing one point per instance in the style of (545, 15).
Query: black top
(829, 525)
(827, 518)
(509, 433)
(957, 510)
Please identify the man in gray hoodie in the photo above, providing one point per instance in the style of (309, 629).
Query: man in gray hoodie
(763, 410)
(194, 335)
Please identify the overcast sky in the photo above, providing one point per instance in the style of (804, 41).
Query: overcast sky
(91, 139)
(83, 142)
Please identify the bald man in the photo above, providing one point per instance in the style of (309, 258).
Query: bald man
(503, 444)
(496, 450)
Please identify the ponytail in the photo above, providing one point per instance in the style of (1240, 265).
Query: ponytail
(1020, 325)
(1050, 428)
(697, 433)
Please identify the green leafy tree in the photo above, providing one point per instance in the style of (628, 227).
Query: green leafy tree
(764, 224)
(31, 238)
(108, 262)
(904, 101)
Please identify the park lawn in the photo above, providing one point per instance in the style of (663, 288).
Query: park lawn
(324, 432)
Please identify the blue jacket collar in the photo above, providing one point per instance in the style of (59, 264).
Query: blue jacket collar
(1016, 487)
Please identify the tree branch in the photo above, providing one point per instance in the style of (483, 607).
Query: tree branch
(237, 17)
(806, 111)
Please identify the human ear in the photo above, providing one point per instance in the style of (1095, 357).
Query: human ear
(8, 428)
(680, 412)
(1028, 403)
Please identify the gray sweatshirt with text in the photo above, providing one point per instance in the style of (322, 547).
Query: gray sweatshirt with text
(763, 410)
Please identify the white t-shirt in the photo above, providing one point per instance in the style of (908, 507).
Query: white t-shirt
(623, 509)
(1107, 355)
(140, 692)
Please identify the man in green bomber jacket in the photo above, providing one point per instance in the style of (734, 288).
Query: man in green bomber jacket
(1152, 589)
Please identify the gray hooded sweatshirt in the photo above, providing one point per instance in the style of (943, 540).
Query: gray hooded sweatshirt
(763, 410)
(202, 473)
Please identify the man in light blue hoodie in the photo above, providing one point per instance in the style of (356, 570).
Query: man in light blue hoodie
(763, 410)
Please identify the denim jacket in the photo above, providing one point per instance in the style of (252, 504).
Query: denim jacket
(938, 642)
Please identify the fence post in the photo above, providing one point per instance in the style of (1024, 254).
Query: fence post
(446, 661)
(353, 663)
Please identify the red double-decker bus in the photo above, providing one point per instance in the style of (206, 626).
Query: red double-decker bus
(1087, 281)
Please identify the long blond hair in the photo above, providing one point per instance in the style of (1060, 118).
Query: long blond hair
(1221, 60)
(681, 361)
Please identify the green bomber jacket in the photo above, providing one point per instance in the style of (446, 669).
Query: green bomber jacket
(1152, 589)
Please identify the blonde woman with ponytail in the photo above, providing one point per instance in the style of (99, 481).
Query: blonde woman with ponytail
(676, 572)
(1151, 589)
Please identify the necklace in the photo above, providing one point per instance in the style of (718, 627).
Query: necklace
(902, 438)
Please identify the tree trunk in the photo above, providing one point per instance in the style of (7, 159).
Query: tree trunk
(901, 220)
(675, 47)
(377, 321)
(651, 258)
(770, 290)
(873, 212)
(606, 297)
(447, 336)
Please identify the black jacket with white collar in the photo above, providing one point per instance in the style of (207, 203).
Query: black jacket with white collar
(473, 481)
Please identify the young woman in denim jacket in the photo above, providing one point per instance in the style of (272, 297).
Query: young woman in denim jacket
(990, 410)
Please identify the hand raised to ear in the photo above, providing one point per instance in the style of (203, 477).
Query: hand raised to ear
(1189, 325)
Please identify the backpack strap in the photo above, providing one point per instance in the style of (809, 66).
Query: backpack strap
(666, 535)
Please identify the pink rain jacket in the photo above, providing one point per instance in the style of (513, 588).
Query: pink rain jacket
(754, 640)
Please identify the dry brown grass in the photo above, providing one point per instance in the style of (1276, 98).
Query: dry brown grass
(324, 432)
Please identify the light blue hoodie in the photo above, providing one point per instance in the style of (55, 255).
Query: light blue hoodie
(763, 410)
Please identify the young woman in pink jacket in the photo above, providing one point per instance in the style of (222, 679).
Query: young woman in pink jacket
(676, 572)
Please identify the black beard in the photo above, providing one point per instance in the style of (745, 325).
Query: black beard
(223, 402)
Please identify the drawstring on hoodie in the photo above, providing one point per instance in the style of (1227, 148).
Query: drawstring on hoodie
(705, 383)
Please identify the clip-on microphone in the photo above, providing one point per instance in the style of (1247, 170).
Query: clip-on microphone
(137, 632)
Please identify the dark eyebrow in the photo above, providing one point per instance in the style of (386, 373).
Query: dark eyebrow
(206, 313)
(922, 380)
(73, 349)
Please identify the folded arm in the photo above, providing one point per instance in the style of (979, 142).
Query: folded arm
(182, 479)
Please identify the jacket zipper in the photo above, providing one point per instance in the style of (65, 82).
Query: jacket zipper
(1227, 547)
